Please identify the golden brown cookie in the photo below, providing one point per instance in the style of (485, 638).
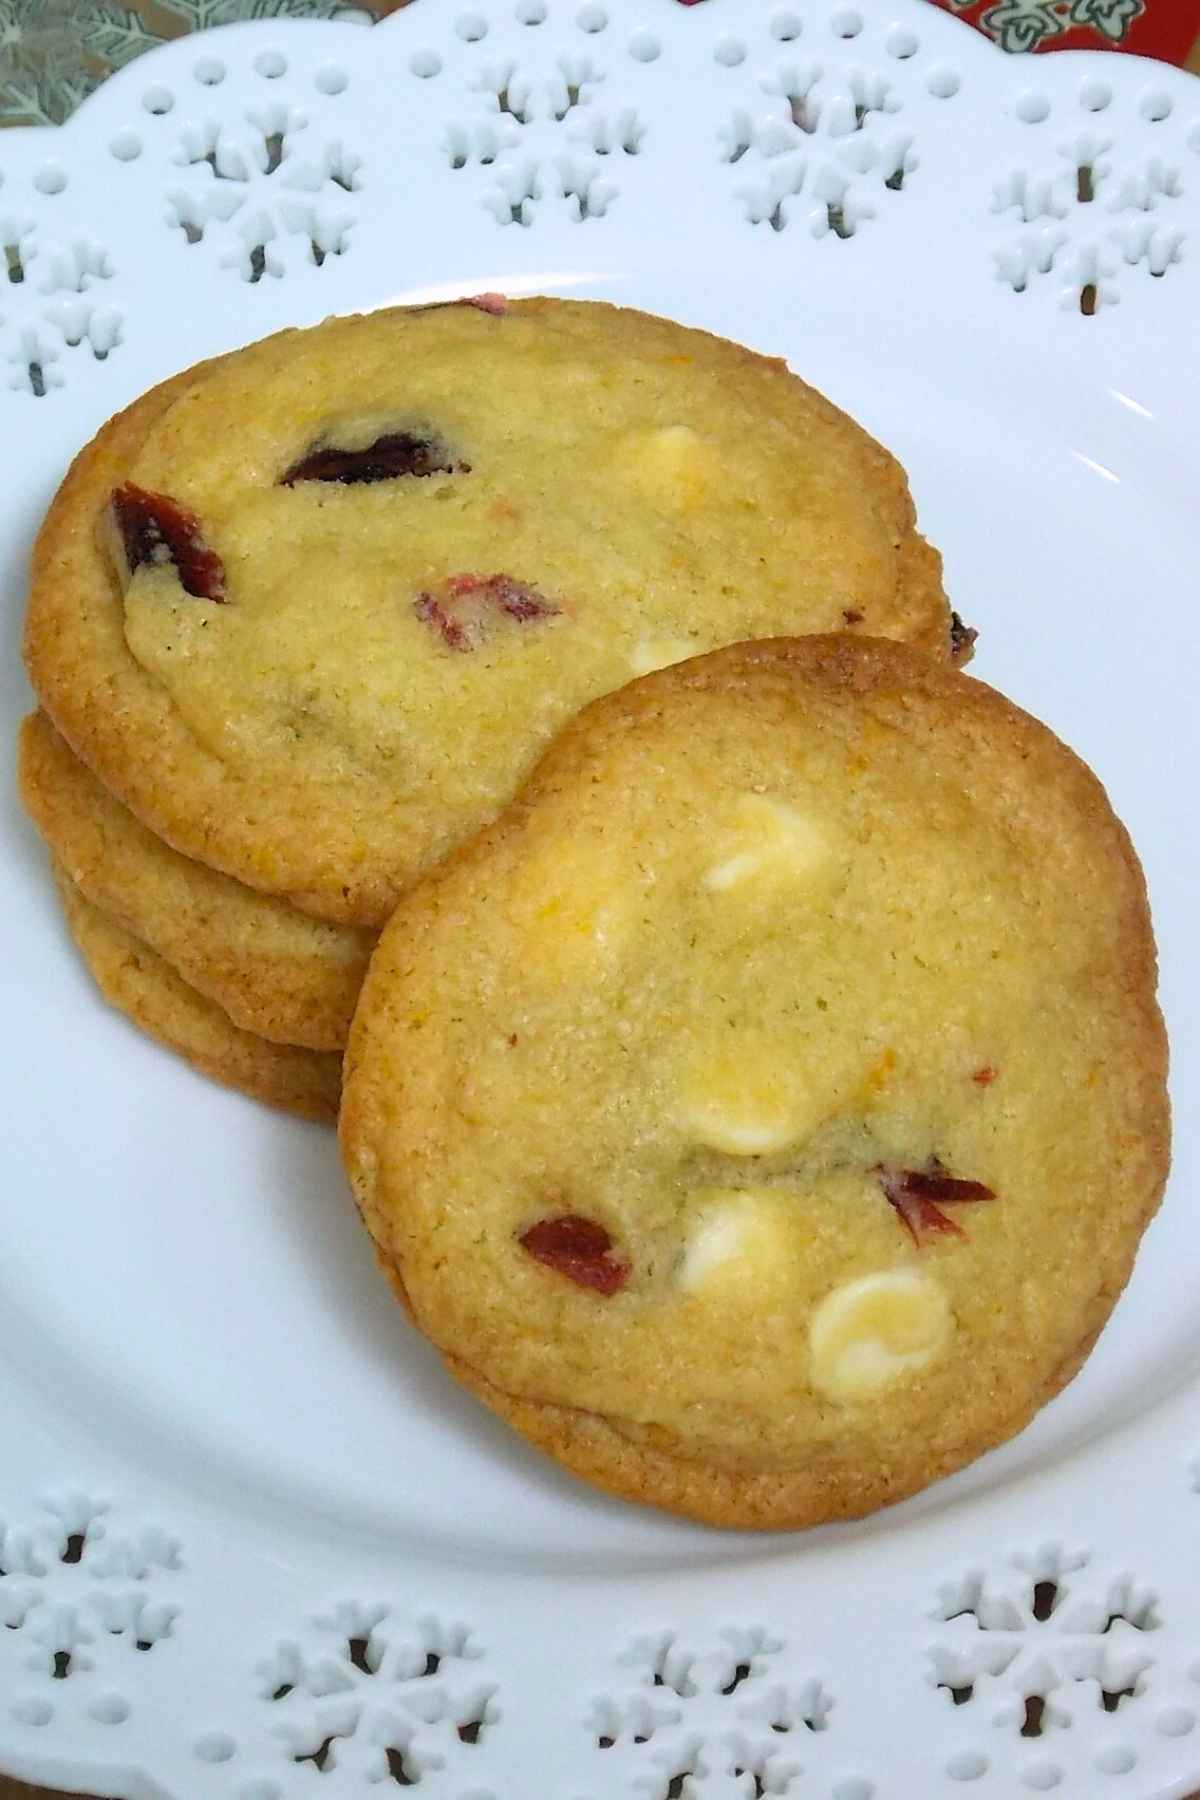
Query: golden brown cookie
(138, 982)
(276, 972)
(763, 1114)
(348, 582)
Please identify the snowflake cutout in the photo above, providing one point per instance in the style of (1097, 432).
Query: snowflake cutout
(1129, 209)
(379, 1698)
(827, 151)
(1043, 1644)
(546, 139)
(709, 1725)
(48, 301)
(79, 1600)
(266, 190)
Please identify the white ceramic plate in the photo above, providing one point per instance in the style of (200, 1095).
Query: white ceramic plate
(253, 1542)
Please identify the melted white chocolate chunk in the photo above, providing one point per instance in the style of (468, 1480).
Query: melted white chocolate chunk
(740, 1238)
(578, 906)
(745, 1100)
(772, 839)
(868, 1333)
(673, 464)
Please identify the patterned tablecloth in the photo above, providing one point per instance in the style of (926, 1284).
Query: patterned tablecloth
(53, 52)
(1168, 29)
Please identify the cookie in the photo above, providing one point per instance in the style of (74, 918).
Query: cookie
(762, 1115)
(349, 615)
(138, 982)
(275, 972)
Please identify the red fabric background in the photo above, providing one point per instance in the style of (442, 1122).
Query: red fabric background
(1166, 29)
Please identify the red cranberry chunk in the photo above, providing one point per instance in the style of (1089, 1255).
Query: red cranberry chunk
(918, 1196)
(517, 598)
(579, 1249)
(156, 529)
(431, 612)
(390, 457)
(460, 608)
(962, 639)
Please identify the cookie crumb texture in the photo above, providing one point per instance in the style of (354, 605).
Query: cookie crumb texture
(350, 581)
(663, 1100)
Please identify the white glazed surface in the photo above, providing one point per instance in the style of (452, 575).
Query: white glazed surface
(253, 1542)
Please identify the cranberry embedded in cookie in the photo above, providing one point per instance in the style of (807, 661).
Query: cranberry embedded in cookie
(155, 529)
(579, 1249)
(918, 1196)
(963, 639)
(392, 457)
(462, 608)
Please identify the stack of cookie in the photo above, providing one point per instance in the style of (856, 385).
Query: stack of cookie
(757, 1092)
(303, 618)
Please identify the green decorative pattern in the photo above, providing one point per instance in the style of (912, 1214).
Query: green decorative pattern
(54, 52)
(1020, 25)
(1112, 17)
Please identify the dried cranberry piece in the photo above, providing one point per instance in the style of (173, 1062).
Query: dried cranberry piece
(431, 612)
(962, 638)
(156, 529)
(496, 304)
(396, 454)
(984, 1077)
(579, 1249)
(517, 598)
(458, 610)
(918, 1195)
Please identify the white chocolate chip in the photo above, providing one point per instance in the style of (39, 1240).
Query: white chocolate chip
(740, 1132)
(577, 903)
(772, 838)
(744, 1100)
(740, 1237)
(660, 653)
(673, 463)
(716, 1242)
(868, 1333)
